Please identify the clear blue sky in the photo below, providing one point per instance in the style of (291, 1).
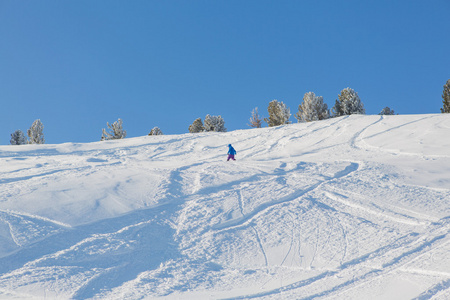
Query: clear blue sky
(79, 64)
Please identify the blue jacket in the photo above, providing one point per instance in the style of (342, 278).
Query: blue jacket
(231, 150)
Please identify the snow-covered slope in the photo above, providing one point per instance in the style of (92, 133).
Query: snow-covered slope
(356, 207)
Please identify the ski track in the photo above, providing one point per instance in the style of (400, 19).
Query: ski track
(292, 241)
(258, 239)
(396, 258)
(441, 288)
(352, 167)
(241, 205)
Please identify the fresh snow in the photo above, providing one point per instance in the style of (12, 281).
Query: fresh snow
(356, 207)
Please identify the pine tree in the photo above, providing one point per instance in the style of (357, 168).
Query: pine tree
(155, 131)
(18, 138)
(116, 129)
(337, 109)
(279, 114)
(255, 120)
(36, 133)
(196, 126)
(312, 109)
(214, 123)
(446, 98)
(349, 103)
(387, 111)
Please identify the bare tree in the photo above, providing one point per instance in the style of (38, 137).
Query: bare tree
(255, 120)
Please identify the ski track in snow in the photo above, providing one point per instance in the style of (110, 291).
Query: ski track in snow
(297, 194)
(325, 210)
(393, 254)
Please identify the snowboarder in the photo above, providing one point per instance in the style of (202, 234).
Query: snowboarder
(231, 152)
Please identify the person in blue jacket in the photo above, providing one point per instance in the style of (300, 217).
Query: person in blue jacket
(231, 152)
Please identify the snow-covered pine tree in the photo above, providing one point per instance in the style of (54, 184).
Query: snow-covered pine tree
(196, 126)
(312, 109)
(387, 111)
(116, 129)
(18, 138)
(214, 123)
(337, 110)
(255, 120)
(279, 114)
(349, 103)
(36, 133)
(446, 98)
(155, 131)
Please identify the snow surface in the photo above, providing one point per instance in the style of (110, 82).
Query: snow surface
(356, 207)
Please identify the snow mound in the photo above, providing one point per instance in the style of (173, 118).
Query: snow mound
(356, 207)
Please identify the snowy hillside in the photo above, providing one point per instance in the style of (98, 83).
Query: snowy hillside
(356, 207)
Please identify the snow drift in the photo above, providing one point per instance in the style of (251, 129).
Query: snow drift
(354, 207)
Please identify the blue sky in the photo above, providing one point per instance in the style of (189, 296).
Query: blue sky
(79, 64)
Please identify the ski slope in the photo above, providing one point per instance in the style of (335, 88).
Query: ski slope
(356, 207)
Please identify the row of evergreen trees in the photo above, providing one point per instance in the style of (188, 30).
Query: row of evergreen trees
(211, 123)
(314, 109)
(116, 131)
(36, 133)
(311, 109)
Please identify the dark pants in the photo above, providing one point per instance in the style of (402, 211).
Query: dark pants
(230, 156)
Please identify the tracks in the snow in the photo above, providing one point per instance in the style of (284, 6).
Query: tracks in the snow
(350, 168)
(371, 266)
